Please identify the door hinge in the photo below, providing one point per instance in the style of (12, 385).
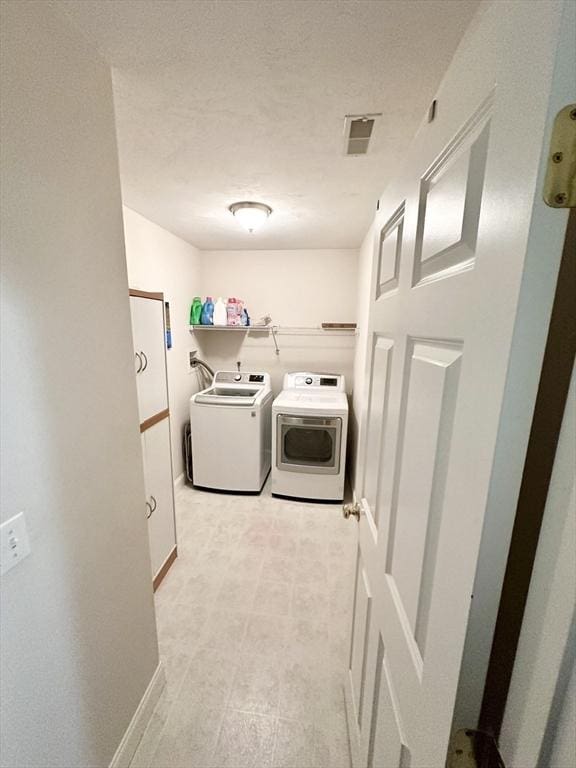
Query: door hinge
(560, 182)
(473, 749)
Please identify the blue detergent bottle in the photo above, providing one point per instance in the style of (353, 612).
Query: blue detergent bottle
(207, 315)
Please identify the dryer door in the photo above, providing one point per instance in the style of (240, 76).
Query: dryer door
(308, 444)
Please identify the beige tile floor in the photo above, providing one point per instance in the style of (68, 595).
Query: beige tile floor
(253, 625)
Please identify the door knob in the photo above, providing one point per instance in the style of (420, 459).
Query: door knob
(351, 510)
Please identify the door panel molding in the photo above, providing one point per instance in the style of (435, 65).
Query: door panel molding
(388, 743)
(376, 424)
(451, 192)
(389, 257)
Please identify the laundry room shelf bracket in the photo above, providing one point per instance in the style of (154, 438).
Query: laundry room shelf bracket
(278, 330)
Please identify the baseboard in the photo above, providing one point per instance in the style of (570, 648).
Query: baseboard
(135, 730)
(180, 481)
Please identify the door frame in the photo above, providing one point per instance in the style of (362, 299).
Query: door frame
(558, 363)
(523, 382)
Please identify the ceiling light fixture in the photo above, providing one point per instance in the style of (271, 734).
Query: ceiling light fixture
(250, 215)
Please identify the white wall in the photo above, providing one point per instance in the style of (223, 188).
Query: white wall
(78, 639)
(539, 725)
(160, 261)
(296, 288)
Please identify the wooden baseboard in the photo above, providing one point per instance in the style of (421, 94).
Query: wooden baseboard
(165, 568)
(129, 744)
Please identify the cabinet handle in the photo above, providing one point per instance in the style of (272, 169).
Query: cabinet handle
(150, 510)
(139, 361)
(155, 503)
(145, 360)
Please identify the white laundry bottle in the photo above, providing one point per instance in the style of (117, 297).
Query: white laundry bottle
(220, 314)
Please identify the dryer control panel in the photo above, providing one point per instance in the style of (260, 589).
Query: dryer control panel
(334, 382)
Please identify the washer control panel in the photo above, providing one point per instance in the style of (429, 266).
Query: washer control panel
(324, 381)
(239, 377)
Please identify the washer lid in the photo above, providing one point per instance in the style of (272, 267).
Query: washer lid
(239, 396)
(235, 388)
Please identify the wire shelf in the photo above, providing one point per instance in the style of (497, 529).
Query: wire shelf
(280, 330)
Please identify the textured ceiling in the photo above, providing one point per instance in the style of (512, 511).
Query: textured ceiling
(229, 100)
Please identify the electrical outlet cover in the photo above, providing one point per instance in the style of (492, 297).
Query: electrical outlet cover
(14, 544)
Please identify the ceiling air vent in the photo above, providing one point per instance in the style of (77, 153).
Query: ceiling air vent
(357, 133)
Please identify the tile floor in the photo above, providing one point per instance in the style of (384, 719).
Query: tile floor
(253, 624)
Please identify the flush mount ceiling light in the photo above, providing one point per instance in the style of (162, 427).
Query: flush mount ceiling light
(250, 215)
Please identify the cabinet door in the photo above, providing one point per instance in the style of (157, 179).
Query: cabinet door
(149, 355)
(159, 492)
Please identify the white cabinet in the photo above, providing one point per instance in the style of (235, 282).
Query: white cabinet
(149, 355)
(159, 493)
(148, 331)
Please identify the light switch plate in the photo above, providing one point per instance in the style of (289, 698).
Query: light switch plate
(14, 544)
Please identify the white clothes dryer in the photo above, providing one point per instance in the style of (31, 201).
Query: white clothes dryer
(309, 430)
(230, 424)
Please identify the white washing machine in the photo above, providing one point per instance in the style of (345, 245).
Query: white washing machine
(309, 429)
(230, 424)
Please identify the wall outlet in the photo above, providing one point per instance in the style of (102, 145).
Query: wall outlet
(14, 544)
(192, 360)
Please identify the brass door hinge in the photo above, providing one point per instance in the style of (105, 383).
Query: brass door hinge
(560, 182)
(473, 749)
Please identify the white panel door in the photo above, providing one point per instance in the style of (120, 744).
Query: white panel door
(459, 307)
(159, 492)
(149, 355)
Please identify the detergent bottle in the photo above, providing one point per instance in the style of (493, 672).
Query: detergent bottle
(207, 316)
(219, 317)
(232, 312)
(196, 311)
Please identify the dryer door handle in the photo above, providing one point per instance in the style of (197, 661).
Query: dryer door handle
(309, 421)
